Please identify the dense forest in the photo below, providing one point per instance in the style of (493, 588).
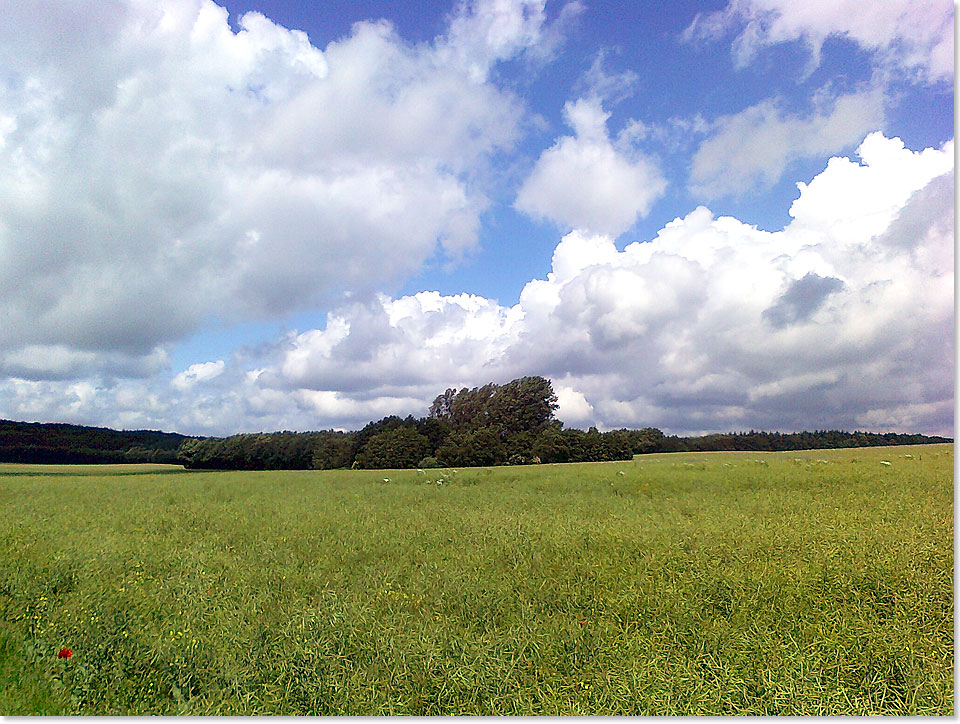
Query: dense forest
(510, 424)
(33, 442)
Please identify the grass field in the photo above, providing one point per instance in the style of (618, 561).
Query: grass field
(816, 582)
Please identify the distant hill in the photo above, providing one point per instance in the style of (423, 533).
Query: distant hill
(35, 442)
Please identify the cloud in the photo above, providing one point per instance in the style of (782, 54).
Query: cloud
(609, 87)
(842, 319)
(482, 34)
(573, 407)
(420, 339)
(909, 36)
(161, 170)
(53, 361)
(858, 201)
(750, 150)
(802, 298)
(200, 372)
(584, 181)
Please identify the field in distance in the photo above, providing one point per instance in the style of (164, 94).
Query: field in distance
(810, 582)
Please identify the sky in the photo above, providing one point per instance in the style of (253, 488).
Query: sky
(696, 216)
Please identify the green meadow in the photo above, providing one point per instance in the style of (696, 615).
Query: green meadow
(801, 583)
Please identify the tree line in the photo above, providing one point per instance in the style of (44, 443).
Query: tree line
(509, 424)
(42, 443)
(774, 441)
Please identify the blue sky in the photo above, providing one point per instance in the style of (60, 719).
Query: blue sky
(264, 215)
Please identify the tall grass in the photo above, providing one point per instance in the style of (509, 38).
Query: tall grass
(816, 582)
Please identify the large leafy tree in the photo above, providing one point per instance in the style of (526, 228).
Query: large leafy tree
(494, 423)
(522, 405)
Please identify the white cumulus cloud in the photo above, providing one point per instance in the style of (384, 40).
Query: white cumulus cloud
(573, 407)
(200, 372)
(405, 344)
(586, 181)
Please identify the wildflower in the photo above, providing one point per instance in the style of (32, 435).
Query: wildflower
(64, 653)
(386, 480)
(885, 462)
(583, 623)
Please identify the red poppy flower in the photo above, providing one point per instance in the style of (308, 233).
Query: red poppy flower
(583, 623)
(64, 653)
